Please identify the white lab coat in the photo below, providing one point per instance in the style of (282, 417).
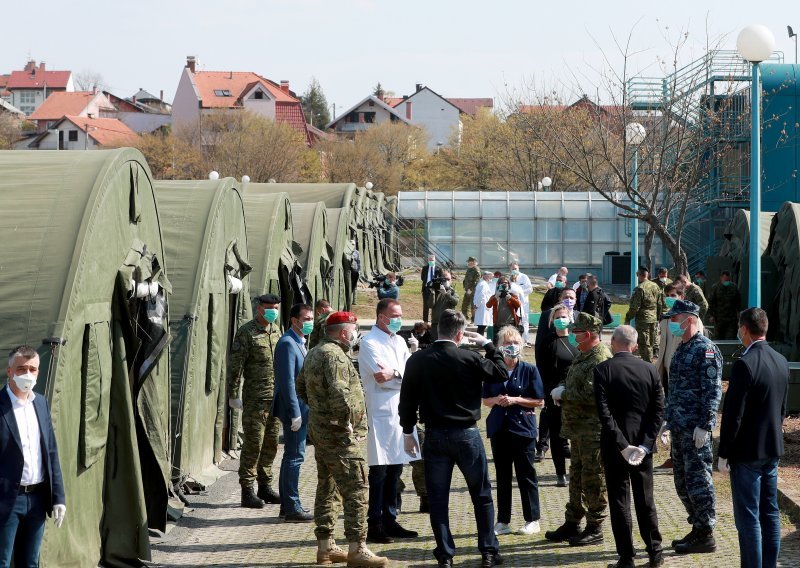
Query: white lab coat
(385, 437)
(483, 291)
(527, 287)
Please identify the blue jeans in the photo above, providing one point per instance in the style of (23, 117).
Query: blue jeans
(462, 447)
(383, 494)
(754, 488)
(294, 452)
(21, 535)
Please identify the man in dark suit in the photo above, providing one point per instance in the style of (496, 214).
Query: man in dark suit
(428, 274)
(594, 303)
(445, 384)
(630, 402)
(751, 440)
(290, 354)
(31, 487)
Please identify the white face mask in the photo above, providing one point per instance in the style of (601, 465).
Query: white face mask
(25, 382)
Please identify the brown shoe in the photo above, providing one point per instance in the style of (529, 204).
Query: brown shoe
(334, 555)
(365, 558)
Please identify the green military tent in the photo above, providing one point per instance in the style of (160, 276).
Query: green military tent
(206, 247)
(83, 280)
(364, 240)
(391, 235)
(341, 294)
(310, 222)
(784, 253)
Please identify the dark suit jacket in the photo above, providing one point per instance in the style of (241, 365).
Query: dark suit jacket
(12, 462)
(755, 406)
(289, 359)
(630, 401)
(550, 299)
(594, 304)
(437, 273)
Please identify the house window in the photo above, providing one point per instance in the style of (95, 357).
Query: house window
(222, 92)
(352, 117)
(28, 110)
(27, 97)
(73, 136)
(369, 117)
(258, 95)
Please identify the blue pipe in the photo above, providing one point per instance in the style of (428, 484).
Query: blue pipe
(754, 289)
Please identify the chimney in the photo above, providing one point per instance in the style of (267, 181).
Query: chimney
(94, 89)
(381, 95)
(191, 62)
(133, 99)
(41, 66)
(161, 95)
(419, 87)
(285, 86)
(408, 110)
(30, 66)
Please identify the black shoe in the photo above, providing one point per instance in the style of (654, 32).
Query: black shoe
(561, 480)
(686, 538)
(376, 535)
(299, 517)
(656, 560)
(623, 563)
(268, 495)
(489, 559)
(250, 500)
(445, 562)
(424, 505)
(701, 542)
(539, 456)
(282, 513)
(399, 506)
(397, 531)
(562, 533)
(592, 534)
(567, 453)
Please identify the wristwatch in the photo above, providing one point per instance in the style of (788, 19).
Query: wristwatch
(397, 374)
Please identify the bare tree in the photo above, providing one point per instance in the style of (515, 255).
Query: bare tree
(87, 80)
(10, 130)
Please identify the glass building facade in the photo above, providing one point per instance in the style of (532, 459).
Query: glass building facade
(542, 230)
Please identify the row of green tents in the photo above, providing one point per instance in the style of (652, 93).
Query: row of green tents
(131, 289)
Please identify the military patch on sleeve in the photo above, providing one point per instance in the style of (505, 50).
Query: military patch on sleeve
(711, 372)
(710, 354)
(236, 345)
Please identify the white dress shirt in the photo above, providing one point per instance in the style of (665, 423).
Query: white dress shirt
(28, 426)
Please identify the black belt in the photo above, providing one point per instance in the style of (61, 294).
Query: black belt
(31, 488)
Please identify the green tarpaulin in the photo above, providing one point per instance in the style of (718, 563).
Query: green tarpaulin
(784, 252)
(206, 248)
(392, 243)
(339, 241)
(310, 222)
(82, 279)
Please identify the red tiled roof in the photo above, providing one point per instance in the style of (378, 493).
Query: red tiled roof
(393, 101)
(4, 81)
(238, 83)
(291, 113)
(61, 104)
(471, 106)
(106, 131)
(37, 79)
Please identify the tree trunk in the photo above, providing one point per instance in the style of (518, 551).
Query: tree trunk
(648, 245)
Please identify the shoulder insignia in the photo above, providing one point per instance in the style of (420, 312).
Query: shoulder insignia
(710, 353)
(236, 345)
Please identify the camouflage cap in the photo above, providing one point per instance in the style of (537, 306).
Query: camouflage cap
(269, 299)
(586, 322)
(341, 317)
(472, 259)
(683, 307)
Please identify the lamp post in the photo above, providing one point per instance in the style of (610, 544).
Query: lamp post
(213, 175)
(634, 135)
(546, 183)
(755, 43)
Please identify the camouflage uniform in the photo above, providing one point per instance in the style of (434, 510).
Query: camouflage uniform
(646, 306)
(695, 390)
(471, 279)
(251, 359)
(694, 294)
(331, 387)
(319, 327)
(723, 305)
(581, 424)
(660, 284)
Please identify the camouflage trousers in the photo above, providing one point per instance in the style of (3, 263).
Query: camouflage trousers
(417, 470)
(693, 481)
(648, 340)
(259, 445)
(466, 306)
(340, 479)
(587, 483)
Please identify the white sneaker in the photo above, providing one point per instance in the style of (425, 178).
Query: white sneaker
(529, 528)
(501, 528)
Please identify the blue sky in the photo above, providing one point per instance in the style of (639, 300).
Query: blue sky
(459, 49)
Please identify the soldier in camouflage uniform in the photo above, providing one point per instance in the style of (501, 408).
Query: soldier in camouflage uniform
(647, 302)
(251, 359)
(331, 386)
(723, 307)
(663, 278)
(471, 279)
(446, 299)
(695, 294)
(322, 309)
(581, 424)
(695, 390)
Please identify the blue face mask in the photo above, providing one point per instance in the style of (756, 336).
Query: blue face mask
(515, 272)
(559, 284)
(572, 340)
(727, 283)
(561, 323)
(395, 324)
(739, 336)
(431, 263)
(270, 314)
(676, 329)
(670, 301)
(308, 327)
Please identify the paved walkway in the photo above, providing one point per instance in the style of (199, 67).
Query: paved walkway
(215, 531)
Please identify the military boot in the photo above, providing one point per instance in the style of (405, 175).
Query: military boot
(688, 536)
(592, 534)
(267, 494)
(250, 500)
(359, 556)
(702, 541)
(329, 553)
(562, 533)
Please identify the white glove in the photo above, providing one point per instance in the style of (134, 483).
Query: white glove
(413, 344)
(723, 466)
(477, 338)
(296, 423)
(410, 445)
(700, 437)
(556, 394)
(59, 512)
(235, 403)
(637, 456)
(627, 453)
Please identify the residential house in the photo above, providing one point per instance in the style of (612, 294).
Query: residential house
(151, 102)
(611, 116)
(369, 111)
(88, 104)
(83, 133)
(203, 93)
(29, 88)
(141, 118)
(7, 108)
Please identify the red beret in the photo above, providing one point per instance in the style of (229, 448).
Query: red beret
(341, 317)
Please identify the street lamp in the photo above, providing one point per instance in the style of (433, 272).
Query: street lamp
(245, 179)
(546, 183)
(755, 43)
(213, 175)
(634, 135)
(792, 34)
(368, 185)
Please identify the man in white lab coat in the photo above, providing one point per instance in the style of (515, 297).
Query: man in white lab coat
(483, 291)
(381, 362)
(523, 282)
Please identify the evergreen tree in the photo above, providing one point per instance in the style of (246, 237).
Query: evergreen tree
(377, 89)
(315, 105)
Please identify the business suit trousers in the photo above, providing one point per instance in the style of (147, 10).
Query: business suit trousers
(518, 451)
(621, 477)
(21, 534)
(383, 480)
(587, 484)
(428, 299)
(294, 452)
